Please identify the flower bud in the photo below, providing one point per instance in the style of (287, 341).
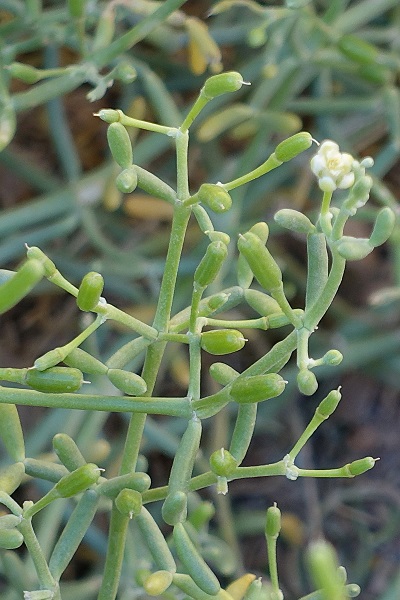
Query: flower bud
(294, 221)
(222, 463)
(222, 83)
(157, 583)
(332, 358)
(127, 180)
(10, 539)
(109, 115)
(307, 382)
(222, 341)
(383, 227)
(358, 467)
(57, 380)
(129, 383)
(273, 523)
(48, 265)
(129, 502)
(90, 291)
(210, 264)
(78, 481)
(293, 146)
(120, 144)
(23, 72)
(257, 388)
(125, 73)
(329, 404)
(358, 50)
(215, 197)
(202, 514)
(352, 248)
(260, 261)
(222, 373)
(20, 284)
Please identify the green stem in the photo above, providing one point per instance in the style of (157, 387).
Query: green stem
(178, 407)
(45, 577)
(270, 164)
(260, 323)
(111, 312)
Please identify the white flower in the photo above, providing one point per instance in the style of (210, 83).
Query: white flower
(334, 169)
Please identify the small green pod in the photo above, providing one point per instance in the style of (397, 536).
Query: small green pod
(68, 452)
(90, 291)
(157, 583)
(215, 197)
(295, 221)
(129, 383)
(120, 145)
(254, 591)
(222, 463)
(127, 180)
(222, 341)
(257, 388)
(244, 273)
(210, 264)
(222, 373)
(332, 358)
(354, 248)
(27, 276)
(56, 380)
(174, 508)
(38, 254)
(11, 477)
(78, 481)
(129, 502)
(10, 539)
(293, 146)
(125, 73)
(260, 261)
(11, 432)
(193, 562)
(82, 360)
(273, 522)
(44, 469)
(9, 521)
(23, 72)
(222, 83)
(360, 466)
(155, 541)
(261, 302)
(358, 50)
(329, 404)
(307, 382)
(134, 481)
(109, 115)
(383, 227)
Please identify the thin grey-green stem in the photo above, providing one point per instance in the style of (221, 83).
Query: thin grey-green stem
(45, 577)
(273, 567)
(154, 354)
